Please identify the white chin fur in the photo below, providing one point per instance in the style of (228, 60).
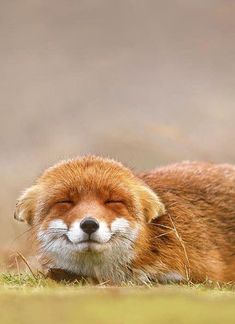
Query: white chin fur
(90, 247)
(66, 251)
(105, 260)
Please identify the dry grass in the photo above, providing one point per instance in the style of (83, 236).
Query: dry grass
(33, 299)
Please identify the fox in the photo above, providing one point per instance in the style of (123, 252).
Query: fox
(93, 217)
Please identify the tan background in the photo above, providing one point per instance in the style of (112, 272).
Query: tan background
(146, 82)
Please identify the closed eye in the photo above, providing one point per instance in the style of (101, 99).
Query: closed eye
(64, 201)
(110, 201)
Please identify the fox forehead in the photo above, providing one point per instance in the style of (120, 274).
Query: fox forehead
(88, 176)
(87, 168)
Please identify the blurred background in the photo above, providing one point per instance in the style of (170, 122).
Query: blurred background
(145, 82)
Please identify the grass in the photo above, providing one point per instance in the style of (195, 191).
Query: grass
(27, 299)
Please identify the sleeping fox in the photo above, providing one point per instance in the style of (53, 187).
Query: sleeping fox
(92, 217)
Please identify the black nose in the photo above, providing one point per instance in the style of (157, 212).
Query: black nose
(89, 225)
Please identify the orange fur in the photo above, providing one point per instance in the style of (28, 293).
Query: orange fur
(185, 212)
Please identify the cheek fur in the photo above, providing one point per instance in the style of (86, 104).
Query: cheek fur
(124, 227)
(120, 225)
(51, 231)
(57, 224)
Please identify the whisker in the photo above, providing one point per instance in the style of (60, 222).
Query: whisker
(54, 232)
(20, 235)
(49, 244)
(127, 238)
(56, 228)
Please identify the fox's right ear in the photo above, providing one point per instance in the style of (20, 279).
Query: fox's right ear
(26, 204)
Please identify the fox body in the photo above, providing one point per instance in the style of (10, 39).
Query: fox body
(93, 217)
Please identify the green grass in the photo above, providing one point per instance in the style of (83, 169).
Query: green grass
(25, 299)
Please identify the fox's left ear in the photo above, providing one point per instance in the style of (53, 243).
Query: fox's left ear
(151, 204)
(25, 205)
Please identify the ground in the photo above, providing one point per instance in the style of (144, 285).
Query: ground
(25, 299)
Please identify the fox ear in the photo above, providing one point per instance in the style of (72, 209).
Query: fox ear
(25, 205)
(151, 204)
